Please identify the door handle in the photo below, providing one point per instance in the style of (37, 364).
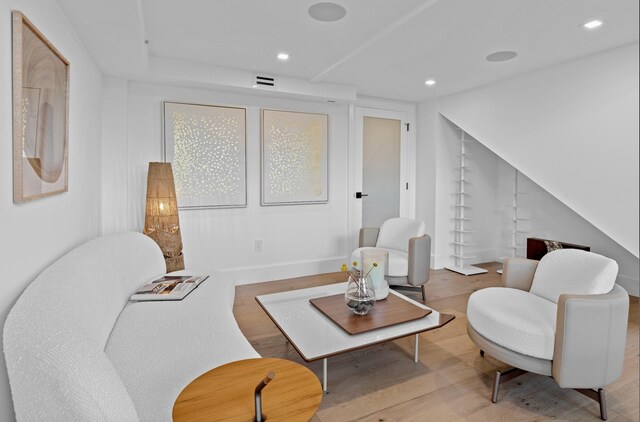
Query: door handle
(360, 195)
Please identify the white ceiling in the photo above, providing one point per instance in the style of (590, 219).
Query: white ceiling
(385, 48)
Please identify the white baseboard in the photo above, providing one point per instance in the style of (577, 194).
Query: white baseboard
(482, 256)
(260, 274)
(438, 262)
(630, 284)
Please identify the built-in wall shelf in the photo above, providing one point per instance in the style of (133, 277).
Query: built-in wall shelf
(515, 218)
(463, 257)
(461, 219)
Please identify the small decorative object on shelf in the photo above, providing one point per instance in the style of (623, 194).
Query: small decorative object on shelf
(371, 256)
(258, 397)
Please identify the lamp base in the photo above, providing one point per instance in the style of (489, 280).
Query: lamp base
(174, 264)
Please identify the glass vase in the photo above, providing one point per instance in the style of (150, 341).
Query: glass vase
(360, 296)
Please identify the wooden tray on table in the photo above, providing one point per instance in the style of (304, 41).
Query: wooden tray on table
(390, 311)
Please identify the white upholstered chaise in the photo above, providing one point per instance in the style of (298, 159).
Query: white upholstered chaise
(77, 350)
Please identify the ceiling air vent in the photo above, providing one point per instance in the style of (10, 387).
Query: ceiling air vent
(262, 81)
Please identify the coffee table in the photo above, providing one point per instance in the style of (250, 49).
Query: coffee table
(316, 337)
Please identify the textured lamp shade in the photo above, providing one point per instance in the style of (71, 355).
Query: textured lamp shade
(161, 217)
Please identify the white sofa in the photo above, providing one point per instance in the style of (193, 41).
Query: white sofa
(78, 350)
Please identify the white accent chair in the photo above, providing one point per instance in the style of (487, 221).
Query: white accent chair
(409, 252)
(562, 316)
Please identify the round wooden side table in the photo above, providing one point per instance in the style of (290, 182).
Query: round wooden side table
(226, 393)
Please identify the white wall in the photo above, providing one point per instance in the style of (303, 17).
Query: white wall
(438, 169)
(482, 176)
(34, 234)
(297, 240)
(114, 197)
(572, 128)
(428, 131)
(491, 189)
(548, 218)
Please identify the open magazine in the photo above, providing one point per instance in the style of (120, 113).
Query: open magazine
(168, 287)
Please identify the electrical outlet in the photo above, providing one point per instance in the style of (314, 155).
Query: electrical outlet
(257, 245)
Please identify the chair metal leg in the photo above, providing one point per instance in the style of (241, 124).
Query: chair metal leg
(502, 377)
(481, 353)
(496, 387)
(603, 404)
(422, 289)
(597, 396)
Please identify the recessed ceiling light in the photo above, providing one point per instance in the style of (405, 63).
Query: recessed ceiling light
(593, 24)
(327, 12)
(429, 82)
(502, 56)
(283, 57)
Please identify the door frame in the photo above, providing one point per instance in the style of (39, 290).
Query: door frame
(404, 112)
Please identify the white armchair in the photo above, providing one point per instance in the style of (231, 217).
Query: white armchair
(563, 317)
(409, 252)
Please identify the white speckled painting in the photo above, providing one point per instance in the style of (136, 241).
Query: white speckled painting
(207, 147)
(294, 158)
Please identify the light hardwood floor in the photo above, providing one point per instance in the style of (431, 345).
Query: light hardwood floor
(451, 382)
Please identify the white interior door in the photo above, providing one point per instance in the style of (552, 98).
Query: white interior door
(380, 166)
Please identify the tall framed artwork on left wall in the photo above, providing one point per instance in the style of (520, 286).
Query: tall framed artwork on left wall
(40, 114)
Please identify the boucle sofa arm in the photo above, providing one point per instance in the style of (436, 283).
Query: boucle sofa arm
(368, 237)
(591, 332)
(419, 260)
(517, 273)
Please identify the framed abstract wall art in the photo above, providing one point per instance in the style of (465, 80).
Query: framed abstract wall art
(294, 158)
(40, 114)
(207, 146)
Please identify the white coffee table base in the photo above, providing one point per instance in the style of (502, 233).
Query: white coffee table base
(316, 337)
(325, 365)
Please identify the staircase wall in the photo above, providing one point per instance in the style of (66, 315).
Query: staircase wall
(548, 218)
(570, 128)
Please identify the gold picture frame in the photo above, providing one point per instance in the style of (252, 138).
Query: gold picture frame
(40, 114)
